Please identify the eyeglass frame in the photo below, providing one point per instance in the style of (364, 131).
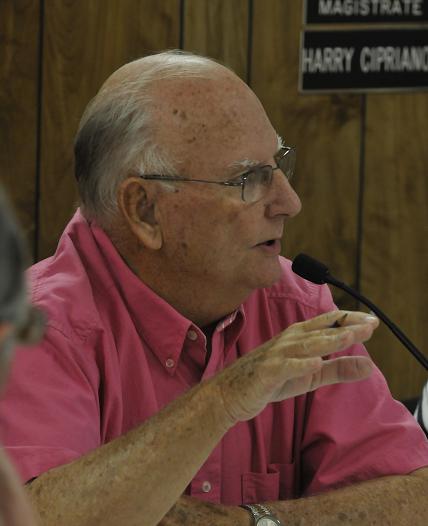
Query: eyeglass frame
(283, 152)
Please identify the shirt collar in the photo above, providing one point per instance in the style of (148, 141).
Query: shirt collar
(159, 325)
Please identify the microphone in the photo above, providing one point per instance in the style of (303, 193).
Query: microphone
(316, 272)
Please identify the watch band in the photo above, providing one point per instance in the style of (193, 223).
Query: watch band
(262, 514)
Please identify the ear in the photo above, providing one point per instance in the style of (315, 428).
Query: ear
(137, 202)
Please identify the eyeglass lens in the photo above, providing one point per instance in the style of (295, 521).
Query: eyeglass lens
(259, 179)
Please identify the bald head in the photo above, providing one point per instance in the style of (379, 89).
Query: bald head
(117, 132)
(159, 114)
(195, 117)
(166, 65)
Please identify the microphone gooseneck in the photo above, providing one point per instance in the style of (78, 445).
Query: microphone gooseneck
(316, 272)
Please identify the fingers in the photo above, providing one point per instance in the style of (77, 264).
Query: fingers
(360, 333)
(354, 317)
(291, 364)
(344, 369)
(298, 368)
(334, 318)
(319, 346)
(321, 343)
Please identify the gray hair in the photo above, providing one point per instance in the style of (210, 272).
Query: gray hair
(12, 284)
(13, 259)
(116, 132)
(27, 321)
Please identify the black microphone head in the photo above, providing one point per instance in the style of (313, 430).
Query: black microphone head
(310, 269)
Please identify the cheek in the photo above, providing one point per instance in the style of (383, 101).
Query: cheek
(223, 227)
(243, 224)
(203, 228)
(185, 230)
(175, 227)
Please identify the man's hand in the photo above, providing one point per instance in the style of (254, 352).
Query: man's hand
(82, 493)
(292, 363)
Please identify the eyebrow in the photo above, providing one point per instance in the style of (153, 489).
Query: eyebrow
(249, 163)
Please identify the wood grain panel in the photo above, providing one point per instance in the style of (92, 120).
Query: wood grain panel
(326, 131)
(85, 41)
(19, 35)
(218, 29)
(395, 256)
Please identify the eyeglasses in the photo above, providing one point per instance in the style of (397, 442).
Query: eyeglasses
(254, 183)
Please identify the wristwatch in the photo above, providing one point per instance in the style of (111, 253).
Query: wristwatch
(262, 515)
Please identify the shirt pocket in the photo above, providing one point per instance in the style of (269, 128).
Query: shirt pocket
(277, 484)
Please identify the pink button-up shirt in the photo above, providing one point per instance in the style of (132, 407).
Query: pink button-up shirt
(115, 353)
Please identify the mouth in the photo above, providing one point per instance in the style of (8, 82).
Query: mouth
(271, 246)
(268, 243)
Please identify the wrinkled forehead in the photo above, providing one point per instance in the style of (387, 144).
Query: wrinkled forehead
(212, 122)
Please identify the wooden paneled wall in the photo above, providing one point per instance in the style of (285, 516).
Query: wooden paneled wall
(362, 159)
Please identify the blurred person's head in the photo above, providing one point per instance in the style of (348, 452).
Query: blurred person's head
(18, 321)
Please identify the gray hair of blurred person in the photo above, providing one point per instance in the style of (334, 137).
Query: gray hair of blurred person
(26, 322)
(115, 135)
(13, 295)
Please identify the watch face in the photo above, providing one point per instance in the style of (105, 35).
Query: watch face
(266, 521)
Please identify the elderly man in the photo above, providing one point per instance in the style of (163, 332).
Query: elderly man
(225, 397)
(169, 273)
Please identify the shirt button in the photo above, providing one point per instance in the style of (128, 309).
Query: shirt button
(170, 363)
(206, 487)
(192, 335)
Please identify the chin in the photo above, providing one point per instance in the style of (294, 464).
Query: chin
(267, 276)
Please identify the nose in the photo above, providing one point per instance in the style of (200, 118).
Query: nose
(282, 198)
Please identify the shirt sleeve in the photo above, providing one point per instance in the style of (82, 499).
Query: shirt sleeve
(357, 431)
(50, 414)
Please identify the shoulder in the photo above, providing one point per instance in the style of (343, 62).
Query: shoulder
(63, 288)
